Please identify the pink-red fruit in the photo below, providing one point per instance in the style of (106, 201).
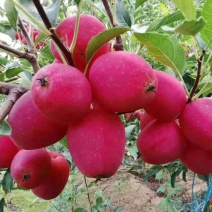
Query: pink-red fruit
(55, 182)
(7, 150)
(169, 100)
(30, 167)
(89, 27)
(196, 123)
(122, 81)
(160, 142)
(97, 144)
(197, 160)
(145, 120)
(30, 129)
(61, 92)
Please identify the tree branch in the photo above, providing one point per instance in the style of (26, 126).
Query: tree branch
(31, 57)
(14, 92)
(118, 46)
(26, 36)
(53, 35)
(199, 66)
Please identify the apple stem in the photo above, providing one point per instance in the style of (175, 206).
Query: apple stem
(199, 68)
(52, 32)
(88, 194)
(76, 30)
(118, 46)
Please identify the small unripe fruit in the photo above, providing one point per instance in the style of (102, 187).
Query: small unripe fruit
(122, 81)
(169, 100)
(30, 129)
(7, 151)
(61, 92)
(196, 123)
(97, 144)
(55, 182)
(161, 142)
(30, 167)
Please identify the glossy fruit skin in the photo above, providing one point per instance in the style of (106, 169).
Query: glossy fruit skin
(66, 96)
(169, 100)
(7, 150)
(197, 160)
(122, 81)
(89, 27)
(53, 185)
(196, 122)
(161, 142)
(30, 129)
(145, 120)
(97, 144)
(30, 167)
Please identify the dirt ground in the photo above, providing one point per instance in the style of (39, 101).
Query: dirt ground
(131, 193)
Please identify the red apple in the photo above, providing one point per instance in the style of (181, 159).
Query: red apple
(135, 115)
(170, 98)
(197, 160)
(30, 167)
(161, 142)
(7, 151)
(97, 144)
(145, 119)
(61, 92)
(89, 27)
(30, 129)
(122, 81)
(55, 182)
(196, 123)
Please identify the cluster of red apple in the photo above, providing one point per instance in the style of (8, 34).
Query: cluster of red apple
(33, 35)
(63, 101)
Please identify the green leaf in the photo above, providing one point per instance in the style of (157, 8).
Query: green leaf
(187, 7)
(63, 141)
(11, 13)
(11, 72)
(159, 175)
(161, 189)
(7, 182)
(138, 3)
(2, 204)
(80, 210)
(2, 77)
(5, 128)
(6, 28)
(99, 201)
(128, 130)
(176, 16)
(164, 49)
(190, 27)
(206, 33)
(101, 39)
(122, 15)
(133, 151)
(77, 2)
(51, 10)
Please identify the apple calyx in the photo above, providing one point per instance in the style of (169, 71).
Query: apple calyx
(151, 88)
(43, 81)
(26, 177)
